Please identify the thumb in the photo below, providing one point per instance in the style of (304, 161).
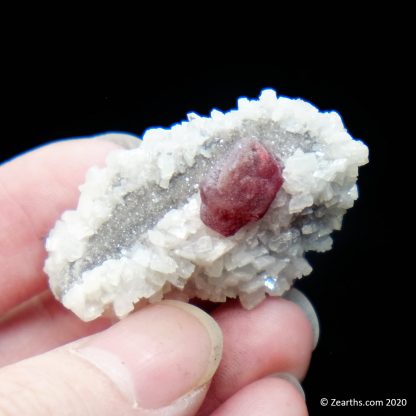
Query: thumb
(159, 360)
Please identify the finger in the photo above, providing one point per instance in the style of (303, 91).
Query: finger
(266, 397)
(34, 191)
(42, 323)
(161, 357)
(39, 325)
(274, 337)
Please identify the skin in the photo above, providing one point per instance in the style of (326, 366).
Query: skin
(38, 374)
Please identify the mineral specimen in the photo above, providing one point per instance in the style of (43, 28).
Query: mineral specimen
(213, 208)
(240, 189)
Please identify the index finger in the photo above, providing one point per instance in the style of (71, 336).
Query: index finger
(35, 189)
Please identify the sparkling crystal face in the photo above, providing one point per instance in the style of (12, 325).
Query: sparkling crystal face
(270, 283)
(241, 188)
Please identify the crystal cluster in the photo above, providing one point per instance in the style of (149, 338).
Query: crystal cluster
(216, 207)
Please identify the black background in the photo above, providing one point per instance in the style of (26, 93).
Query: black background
(359, 288)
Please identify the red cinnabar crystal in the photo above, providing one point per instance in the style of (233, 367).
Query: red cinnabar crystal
(241, 188)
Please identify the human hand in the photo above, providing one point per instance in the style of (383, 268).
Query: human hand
(161, 360)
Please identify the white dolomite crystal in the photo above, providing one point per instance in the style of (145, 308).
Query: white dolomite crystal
(137, 233)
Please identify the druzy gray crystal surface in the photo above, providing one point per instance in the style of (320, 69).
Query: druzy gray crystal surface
(138, 235)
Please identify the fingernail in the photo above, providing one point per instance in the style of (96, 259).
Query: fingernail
(292, 380)
(127, 141)
(296, 296)
(214, 334)
(158, 354)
